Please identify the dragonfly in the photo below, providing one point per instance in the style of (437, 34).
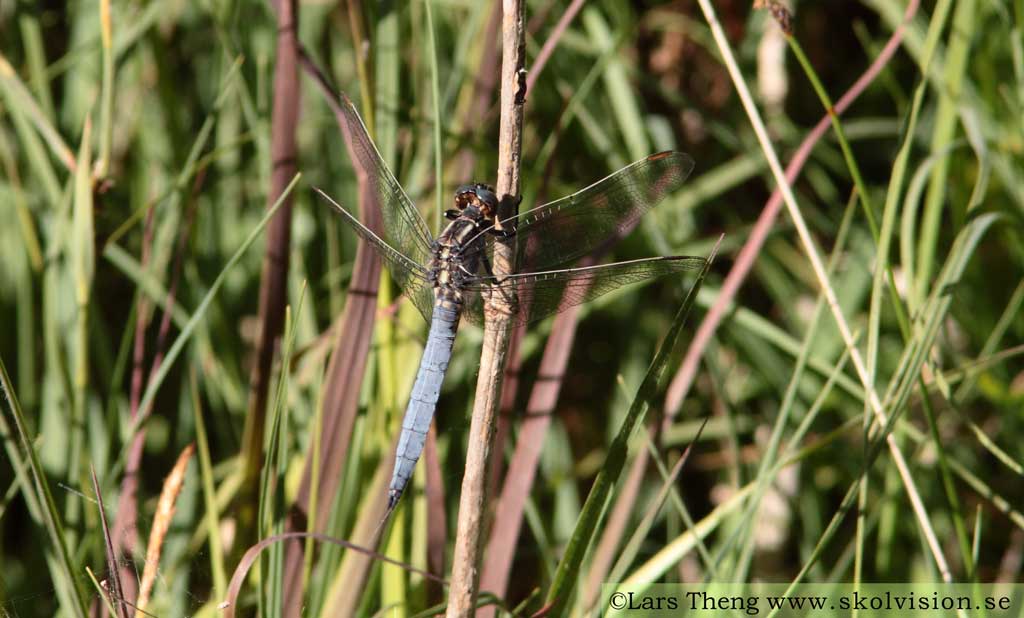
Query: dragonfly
(448, 278)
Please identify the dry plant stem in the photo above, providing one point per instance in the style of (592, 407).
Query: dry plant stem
(274, 276)
(125, 535)
(683, 379)
(353, 573)
(356, 567)
(523, 469)
(830, 297)
(472, 502)
(539, 408)
(341, 398)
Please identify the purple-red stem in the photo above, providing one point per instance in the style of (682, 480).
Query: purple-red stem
(274, 275)
(344, 372)
(683, 379)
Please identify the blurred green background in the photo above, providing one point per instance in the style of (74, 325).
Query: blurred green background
(136, 154)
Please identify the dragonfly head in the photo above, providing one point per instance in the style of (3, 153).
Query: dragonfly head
(478, 197)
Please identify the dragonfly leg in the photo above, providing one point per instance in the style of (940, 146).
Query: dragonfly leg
(486, 263)
(510, 231)
(501, 233)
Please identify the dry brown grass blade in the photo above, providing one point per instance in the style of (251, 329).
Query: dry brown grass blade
(274, 275)
(341, 404)
(473, 499)
(126, 534)
(161, 524)
(552, 41)
(346, 591)
(344, 373)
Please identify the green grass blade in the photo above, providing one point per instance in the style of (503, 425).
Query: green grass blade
(435, 93)
(944, 128)
(71, 595)
(588, 522)
(210, 520)
(106, 128)
(175, 350)
(19, 96)
(618, 87)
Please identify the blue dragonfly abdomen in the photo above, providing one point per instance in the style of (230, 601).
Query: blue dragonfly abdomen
(426, 390)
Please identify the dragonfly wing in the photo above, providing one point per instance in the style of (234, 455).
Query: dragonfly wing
(569, 228)
(422, 296)
(404, 228)
(409, 275)
(542, 294)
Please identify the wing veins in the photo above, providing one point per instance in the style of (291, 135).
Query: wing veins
(381, 246)
(563, 275)
(561, 231)
(388, 189)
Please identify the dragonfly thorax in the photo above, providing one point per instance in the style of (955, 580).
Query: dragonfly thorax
(457, 251)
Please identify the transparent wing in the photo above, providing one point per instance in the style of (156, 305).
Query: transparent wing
(409, 275)
(404, 228)
(422, 296)
(541, 294)
(564, 230)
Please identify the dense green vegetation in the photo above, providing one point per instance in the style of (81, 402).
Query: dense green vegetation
(139, 154)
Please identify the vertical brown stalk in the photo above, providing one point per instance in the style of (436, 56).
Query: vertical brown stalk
(125, 535)
(274, 276)
(522, 471)
(472, 502)
(341, 403)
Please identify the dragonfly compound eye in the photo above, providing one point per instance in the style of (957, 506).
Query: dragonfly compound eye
(479, 195)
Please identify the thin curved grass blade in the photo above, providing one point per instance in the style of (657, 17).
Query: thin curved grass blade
(568, 570)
